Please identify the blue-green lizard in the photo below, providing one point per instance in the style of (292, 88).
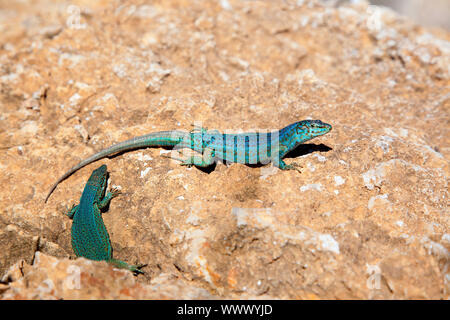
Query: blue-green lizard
(246, 148)
(90, 238)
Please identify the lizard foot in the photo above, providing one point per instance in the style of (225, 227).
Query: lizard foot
(184, 162)
(115, 191)
(136, 269)
(71, 212)
(196, 128)
(294, 166)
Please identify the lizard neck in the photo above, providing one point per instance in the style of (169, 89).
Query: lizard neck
(288, 140)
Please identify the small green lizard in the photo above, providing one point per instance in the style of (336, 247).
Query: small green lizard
(247, 148)
(90, 238)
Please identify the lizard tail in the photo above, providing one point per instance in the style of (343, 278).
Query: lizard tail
(155, 139)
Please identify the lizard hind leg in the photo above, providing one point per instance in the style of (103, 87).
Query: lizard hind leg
(197, 128)
(206, 160)
(203, 130)
(72, 211)
(136, 269)
(184, 162)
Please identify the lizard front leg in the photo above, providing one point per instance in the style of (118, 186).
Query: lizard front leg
(114, 192)
(283, 166)
(198, 129)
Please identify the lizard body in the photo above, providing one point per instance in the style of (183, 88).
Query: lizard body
(246, 148)
(90, 238)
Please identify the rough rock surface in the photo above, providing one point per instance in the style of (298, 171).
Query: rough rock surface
(367, 218)
(53, 278)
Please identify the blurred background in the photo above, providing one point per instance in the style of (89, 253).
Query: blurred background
(431, 13)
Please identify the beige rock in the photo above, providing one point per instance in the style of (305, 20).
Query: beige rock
(367, 218)
(51, 278)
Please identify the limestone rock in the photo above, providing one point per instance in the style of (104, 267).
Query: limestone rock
(53, 278)
(367, 218)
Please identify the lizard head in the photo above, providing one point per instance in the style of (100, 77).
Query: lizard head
(308, 129)
(99, 178)
(295, 134)
(316, 127)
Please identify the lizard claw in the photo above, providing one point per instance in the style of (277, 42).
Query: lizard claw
(186, 164)
(115, 191)
(136, 269)
(197, 128)
(172, 157)
(71, 212)
(294, 166)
